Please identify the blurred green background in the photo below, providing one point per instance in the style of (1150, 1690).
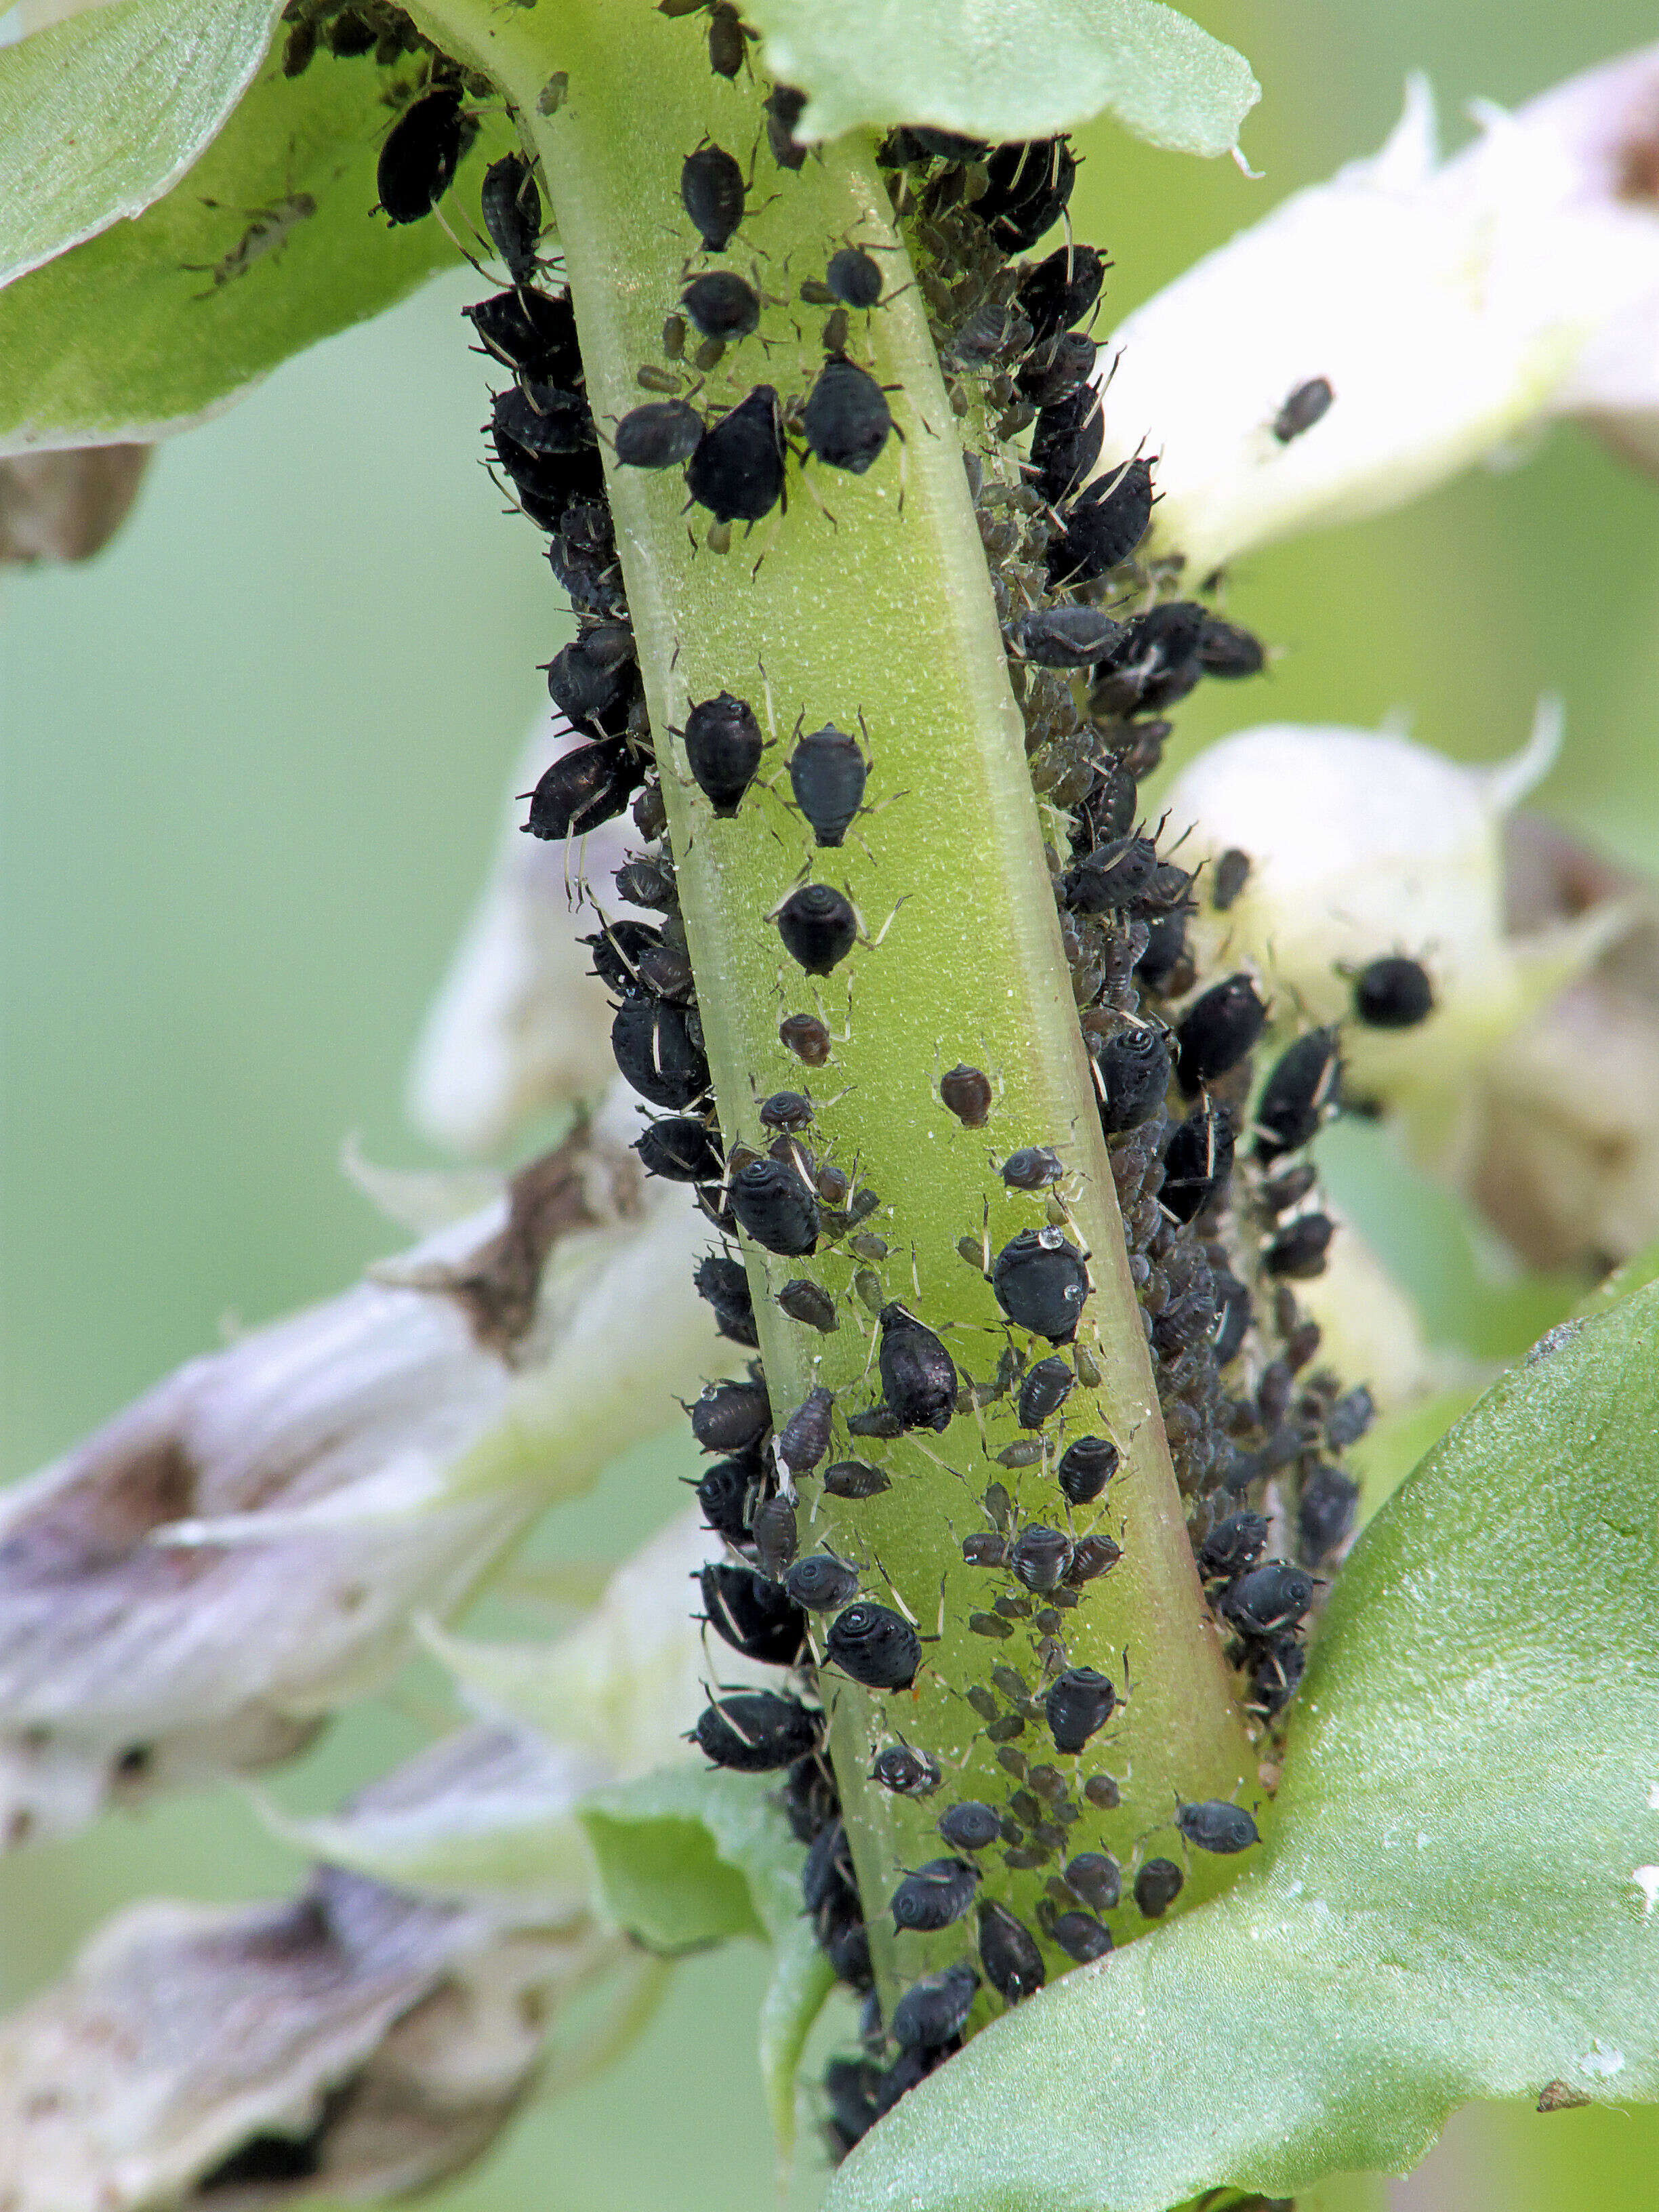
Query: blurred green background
(253, 759)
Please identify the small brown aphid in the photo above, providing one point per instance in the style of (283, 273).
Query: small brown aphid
(806, 1036)
(967, 1092)
(810, 1305)
(1102, 1790)
(1231, 871)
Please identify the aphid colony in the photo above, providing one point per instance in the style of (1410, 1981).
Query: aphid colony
(1220, 1214)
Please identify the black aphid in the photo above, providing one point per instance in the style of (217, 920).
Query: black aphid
(722, 305)
(918, 1378)
(1325, 1511)
(531, 332)
(828, 774)
(970, 1826)
(1103, 525)
(783, 106)
(1079, 1701)
(754, 1731)
(984, 1548)
(422, 153)
(1067, 442)
(1115, 876)
(681, 1149)
(1302, 408)
(618, 948)
(967, 1092)
(1041, 1282)
(790, 1111)
(1032, 1167)
(1081, 1936)
(657, 1046)
(728, 40)
(725, 1493)
(775, 1207)
(512, 209)
(776, 1540)
(1216, 1825)
(1267, 1598)
(1297, 1253)
(724, 1284)
(854, 1478)
(846, 419)
(1097, 1878)
(1232, 871)
(821, 1582)
(753, 1615)
(1197, 1164)
(595, 679)
(1042, 1393)
(729, 1417)
(935, 1895)
(1061, 290)
(1225, 650)
(826, 1879)
(932, 2011)
(1085, 1468)
(1298, 1096)
(1232, 1546)
(1277, 1667)
(737, 471)
(1393, 993)
(850, 2088)
(1063, 636)
(1009, 1953)
(1039, 1556)
(818, 927)
(591, 784)
(660, 435)
(1134, 1068)
(1349, 1419)
(1054, 371)
(810, 1305)
(723, 748)
(1220, 1026)
(542, 420)
(1157, 1885)
(804, 1436)
(1092, 1556)
(906, 1772)
(854, 277)
(712, 191)
(875, 1645)
(1027, 185)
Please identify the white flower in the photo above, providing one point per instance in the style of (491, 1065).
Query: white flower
(1448, 307)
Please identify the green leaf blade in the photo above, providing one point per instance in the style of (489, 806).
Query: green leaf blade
(1012, 68)
(102, 114)
(1458, 1897)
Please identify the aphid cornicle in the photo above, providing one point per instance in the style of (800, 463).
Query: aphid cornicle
(1302, 408)
(918, 1377)
(1197, 1163)
(1085, 1468)
(1220, 1026)
(753, 1615)
(1393, 993)
(1299, 1095)
(729, 1417)
(725, 1285)
(590, 784)
(660, 435)
(1134, 1068)
(738, 470)
(1042, 1393)
(875, 1645)
(804, 1436)
(1009, 1953)
(657, 1046)
(1157, 1885)
(935, 1896)
(1078, 1702)
(512, 211)
(828, 774)
(932, 2011)
(1041, 1282)
(681, 1149)
(722, 305)
(776, 1207)
(818, 927)
(712, 192)
(723, 748)
(810, 1305)
(821, 1582)
(906, 1772)
(1214, 1824)
(756, 1731)
(847, 420)
(422, 153)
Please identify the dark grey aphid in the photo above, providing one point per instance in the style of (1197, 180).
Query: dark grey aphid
(1081, 1936)
(1393, 993)
(1157, 1885)
(1276, 1670)
(1041, 1283)
(657, 1046)
(756, 1731)
(1269, 1598)
(855, 1479)
(543, 421)
(967, 1092)
(512, 210)
(1325, 1511)
(1216, 1825)
(1009, 1953)
(683, 1149)
(918, 1377)
(1054, 371)
(591, 784)
(821, 1582)
(662, 434)
(712, 193)
(776, 1539)
(722, 305)
(1232, 1320)
(738, 470)
(810, 1305)
(1064, 637)
(1085, 1468)
(875, 1645)
(1039, 1556)
(826, 1879)
(422, 153)
(1299, 1095)
(729, 1417)
(752, 1614)
(818, 927)
(935, 1896)
(932, 2011)
(906, 1772)
(854, 277)
(1350, 1418)
(804, 1436)
(1197, 1163)
(1232, 1546)
(1066, 444)
(1297, 1253)
(1032, 1168)
(1060, 291)
(725, 1285)
(1079, 1701)
(1134, 1069)
(776, 1207)
(847, 420)
(725, 1493)
(1233, 871)
(595, 680)
(790, 1111)
(1302, 408)
(531, 332)
(1113, 878)
(1220, 1026)
(985, 1548)
(1103, 525)
(1097, 1878)
(970, 1826)
(1042, 1393)
(1227, 651)
(1091, 1556)
(723, 748)
(783, 106)
(828, 774)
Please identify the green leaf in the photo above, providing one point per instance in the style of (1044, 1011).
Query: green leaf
(1013, 69)
(688, 1857)
(153, 324)
(1457, 1896)
(101, 114)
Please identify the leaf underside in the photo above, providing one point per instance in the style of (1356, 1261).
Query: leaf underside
(1457, 1900)
(1008, 68)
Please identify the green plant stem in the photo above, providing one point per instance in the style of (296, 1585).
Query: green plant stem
(887, 610)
